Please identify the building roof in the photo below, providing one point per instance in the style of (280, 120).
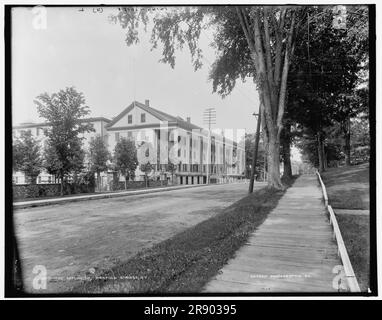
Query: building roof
(162, 116)
(44, 124)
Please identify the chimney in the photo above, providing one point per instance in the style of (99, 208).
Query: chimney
(188, 119)
(147, 103)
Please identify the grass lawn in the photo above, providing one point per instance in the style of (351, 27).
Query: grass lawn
(355, 232)
(188, 260)
(348, 188)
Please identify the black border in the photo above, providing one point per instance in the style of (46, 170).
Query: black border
(10, 240)
(373, 158)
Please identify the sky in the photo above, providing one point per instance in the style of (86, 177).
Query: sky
(83, 49)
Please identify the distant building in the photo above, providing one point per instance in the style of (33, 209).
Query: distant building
(37, 130)
(160, 138)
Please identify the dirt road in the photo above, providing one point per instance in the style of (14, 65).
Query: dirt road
(71, 239)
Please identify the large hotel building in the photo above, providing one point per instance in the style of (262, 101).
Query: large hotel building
(198, 154)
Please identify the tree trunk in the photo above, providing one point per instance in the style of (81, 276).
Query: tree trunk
(319, 152)
(286, 153)
(271, 76)
(324, 162)
(286, 159)
(265, 167)
(99, 180)
(274, 180)
(254, 156)
(62, 185)
(347, 143)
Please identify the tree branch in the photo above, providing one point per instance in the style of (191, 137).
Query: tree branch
(282, 19)
(245, 27)
(267, 48)
(289, 47)
(261, 72)
(278, 51)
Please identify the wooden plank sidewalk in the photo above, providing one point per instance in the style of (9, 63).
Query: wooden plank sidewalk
(292, 251)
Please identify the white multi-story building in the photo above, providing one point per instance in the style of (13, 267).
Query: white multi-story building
(37, 131)
(161, 138)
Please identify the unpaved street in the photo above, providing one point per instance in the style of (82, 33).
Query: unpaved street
(69, 239)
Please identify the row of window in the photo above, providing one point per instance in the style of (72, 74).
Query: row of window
(130, 135)
(130, 118)
(39, 180)
(228, 153)
(194, 144)
(212, 168)
(38, 130)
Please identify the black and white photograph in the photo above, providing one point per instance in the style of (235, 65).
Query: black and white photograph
(190, 150)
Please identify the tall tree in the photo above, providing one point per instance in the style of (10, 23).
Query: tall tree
(286, 140)
(125, 158)
(271, 33)
(64, 111)
(98, 157)
(26, 156)
(267, 35)
(325, 75)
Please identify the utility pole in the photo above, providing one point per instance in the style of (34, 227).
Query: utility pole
(209, 118)
(256, 148)
(265, 167)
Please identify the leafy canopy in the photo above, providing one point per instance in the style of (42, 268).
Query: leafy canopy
(98, 154)
(64, 111)
(328, 79)
(125, 157)
(26, 155)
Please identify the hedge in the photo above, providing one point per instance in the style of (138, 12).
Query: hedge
(120, 185)
(28, 191)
